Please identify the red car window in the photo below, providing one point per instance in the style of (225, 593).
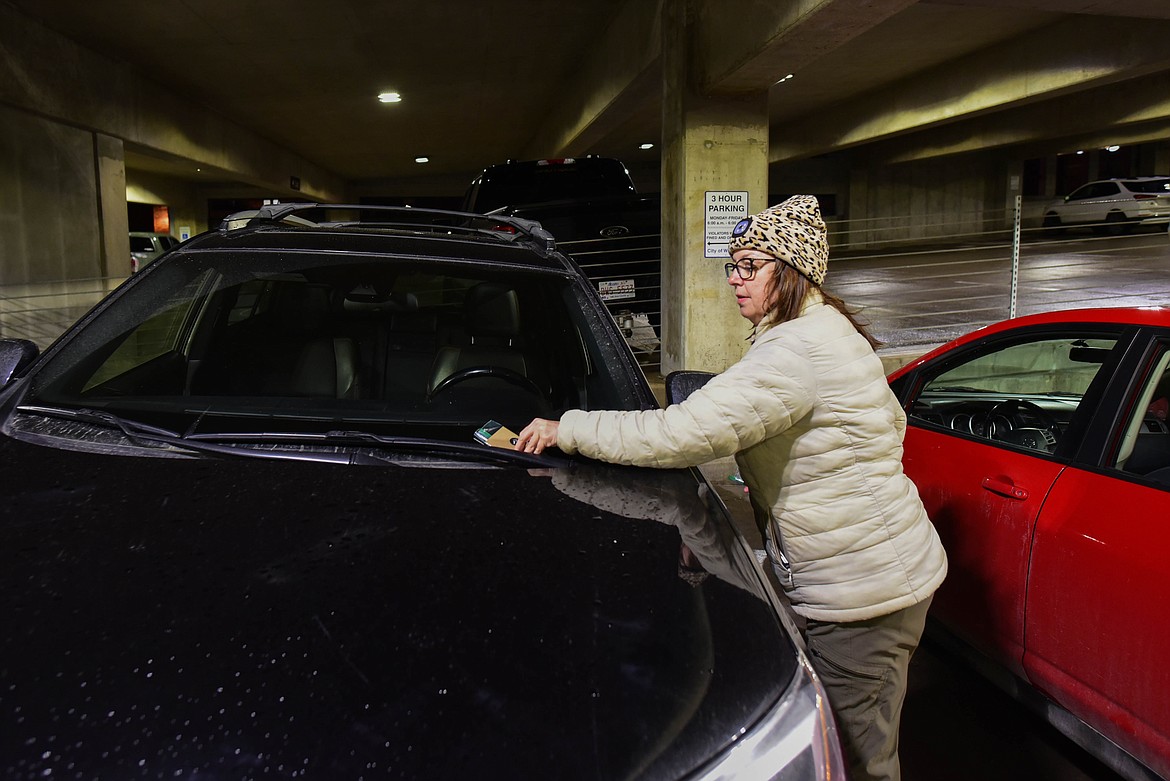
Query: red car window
(1142, 443)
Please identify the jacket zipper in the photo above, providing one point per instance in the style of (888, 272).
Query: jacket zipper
(778, 547)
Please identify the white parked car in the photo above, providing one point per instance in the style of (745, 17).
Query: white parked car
(146, 246)
(1110, 205)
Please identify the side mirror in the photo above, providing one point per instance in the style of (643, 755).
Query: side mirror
(681, 384)
(15, 356)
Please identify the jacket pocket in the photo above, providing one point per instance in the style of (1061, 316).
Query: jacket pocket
(845, 668)
(781, 564)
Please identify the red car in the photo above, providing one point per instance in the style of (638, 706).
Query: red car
(1041, 448)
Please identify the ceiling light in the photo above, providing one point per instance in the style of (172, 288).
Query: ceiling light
(646, 146)
(422, 159)
(1113, 148)
(786, 78)
(390, 97)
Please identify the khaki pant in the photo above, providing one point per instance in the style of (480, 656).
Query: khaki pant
(863, 666)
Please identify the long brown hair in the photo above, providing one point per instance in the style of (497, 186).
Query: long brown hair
(787, 291)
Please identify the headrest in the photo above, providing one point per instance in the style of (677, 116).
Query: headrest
(492, 309)
(302, 309)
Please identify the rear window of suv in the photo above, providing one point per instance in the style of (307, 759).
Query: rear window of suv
(542, 181)
(1150, 186)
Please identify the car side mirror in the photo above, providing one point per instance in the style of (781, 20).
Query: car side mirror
(15, 356)
(681, 384)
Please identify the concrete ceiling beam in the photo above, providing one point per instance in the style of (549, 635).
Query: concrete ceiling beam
(749, 46)
(1137, 111)
(1072, 56)
(618, 73)
(47, 74)
(1142, 9)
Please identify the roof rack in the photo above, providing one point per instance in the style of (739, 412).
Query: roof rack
(404, 217)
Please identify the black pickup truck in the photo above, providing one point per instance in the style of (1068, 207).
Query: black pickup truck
(591, 207)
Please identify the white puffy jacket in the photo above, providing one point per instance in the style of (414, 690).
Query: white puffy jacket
(817, 434)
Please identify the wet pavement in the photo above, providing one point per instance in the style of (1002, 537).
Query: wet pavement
(958, 726)
(929, 297)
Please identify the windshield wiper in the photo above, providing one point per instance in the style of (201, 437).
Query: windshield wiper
(475, 450)
(470, 450)
(146, 435)
(131, 429)
(139, 434)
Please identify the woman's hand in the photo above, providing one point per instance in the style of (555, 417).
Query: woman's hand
(538, 435)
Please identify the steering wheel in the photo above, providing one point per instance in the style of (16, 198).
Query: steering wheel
(479, 372)
(1007, 410)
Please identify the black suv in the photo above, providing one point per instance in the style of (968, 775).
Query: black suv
(526, 182)
(592, 208)
(246, 528)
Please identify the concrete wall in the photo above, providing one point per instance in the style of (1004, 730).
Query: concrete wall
(827, 175)
(50, 223)
(926, 200)
(48, 75)
(66, 116)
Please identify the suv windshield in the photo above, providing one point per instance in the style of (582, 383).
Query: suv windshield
(217, 341)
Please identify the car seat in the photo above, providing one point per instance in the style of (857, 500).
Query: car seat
(289, 351)
(491, 320)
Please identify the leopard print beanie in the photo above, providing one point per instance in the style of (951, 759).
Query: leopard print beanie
(791, 231)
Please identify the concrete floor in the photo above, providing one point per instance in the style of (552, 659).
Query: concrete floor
(958, 726)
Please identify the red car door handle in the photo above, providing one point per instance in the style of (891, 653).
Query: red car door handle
(1004, 487)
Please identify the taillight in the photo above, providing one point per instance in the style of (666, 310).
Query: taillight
(1143, 197)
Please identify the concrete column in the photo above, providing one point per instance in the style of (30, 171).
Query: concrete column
(110, 164)
(1014, 175)
(1161, 158)
(858, 235)
(1050, 166)
(710, 144)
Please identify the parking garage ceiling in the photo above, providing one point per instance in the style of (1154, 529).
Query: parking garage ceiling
(479, 79)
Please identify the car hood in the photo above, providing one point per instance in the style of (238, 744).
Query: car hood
(183, 617)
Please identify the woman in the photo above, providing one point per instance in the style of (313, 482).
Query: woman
(817, 435)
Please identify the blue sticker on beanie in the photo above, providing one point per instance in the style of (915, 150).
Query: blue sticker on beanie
(741, 227)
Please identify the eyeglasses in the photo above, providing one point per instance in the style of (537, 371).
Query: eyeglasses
(745, 268)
